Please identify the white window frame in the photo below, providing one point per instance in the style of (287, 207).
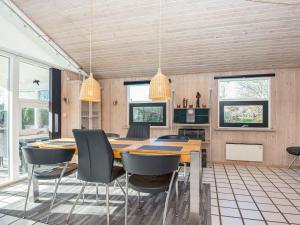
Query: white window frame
(36, 104)
(150, 101)
(269, 99)
(32, 103)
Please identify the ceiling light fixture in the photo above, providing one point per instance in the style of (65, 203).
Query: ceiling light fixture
(160, 87)
(90, 89)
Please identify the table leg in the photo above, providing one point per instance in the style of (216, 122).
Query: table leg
(195, 184)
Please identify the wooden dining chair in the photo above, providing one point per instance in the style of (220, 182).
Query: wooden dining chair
(151, 174)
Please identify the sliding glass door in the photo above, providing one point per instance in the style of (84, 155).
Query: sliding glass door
(4, 100)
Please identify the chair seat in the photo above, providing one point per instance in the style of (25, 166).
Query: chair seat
(45, 173)
(150, 184)
(117, 171)
(294, 150)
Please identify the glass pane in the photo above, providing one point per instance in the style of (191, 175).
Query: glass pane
(139, 93)
(244, 89)
(4, 153)
(35, 119)
(243, 114)
(148, 114)
(34, 82)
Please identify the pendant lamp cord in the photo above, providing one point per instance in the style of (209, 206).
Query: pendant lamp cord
(159, 34)
(91, 27)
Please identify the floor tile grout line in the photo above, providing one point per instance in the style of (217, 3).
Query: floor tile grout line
(270, 198)
(234, 196)
(216, 188)
(281, 191)
(264, 219)
(298, 192)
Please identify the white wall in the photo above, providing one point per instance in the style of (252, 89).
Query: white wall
(19, 39)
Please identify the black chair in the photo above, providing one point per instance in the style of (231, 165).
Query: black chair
(112, 135)
(139, 131)
(44, 156)
(95, 162)
(173, 138)
(295, 151)
(151, 174)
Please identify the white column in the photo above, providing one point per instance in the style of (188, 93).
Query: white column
(14, 119)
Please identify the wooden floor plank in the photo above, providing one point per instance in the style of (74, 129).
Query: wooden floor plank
(91, 212)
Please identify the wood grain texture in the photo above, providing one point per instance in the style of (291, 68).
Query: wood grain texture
(285, 116)
(92, 212)
(197, 36)
(70, 104)
(187, 147)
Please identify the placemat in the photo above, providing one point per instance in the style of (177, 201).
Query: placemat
(170, 140)
(60, 143)
(159, 147)
(119, 146)
(132, 139)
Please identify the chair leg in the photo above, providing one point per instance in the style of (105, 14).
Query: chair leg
(97, 193)
(57, 182)
(75, 203)
(139, 200)
(126, 198)
(184, 169)
(122, 189)
(296, 157)
(28, 190)
(83, 197)
(107, 204)
(167, 198)
(176, 200)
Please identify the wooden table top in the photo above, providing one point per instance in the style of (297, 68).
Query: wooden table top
(135, 146)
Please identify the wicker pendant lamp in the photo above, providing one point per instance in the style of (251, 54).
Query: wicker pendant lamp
(160, 87)
(90, 90)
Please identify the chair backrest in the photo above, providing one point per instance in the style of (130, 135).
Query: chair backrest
(174, 137)
(139, 131)
(47, 156)
(95, 156)
(146, 164)
(112, 135)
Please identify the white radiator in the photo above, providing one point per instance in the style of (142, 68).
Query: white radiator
(244, 152)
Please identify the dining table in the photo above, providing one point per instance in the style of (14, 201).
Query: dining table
(189, 151)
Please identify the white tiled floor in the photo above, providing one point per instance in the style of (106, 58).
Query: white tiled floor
(253, 195)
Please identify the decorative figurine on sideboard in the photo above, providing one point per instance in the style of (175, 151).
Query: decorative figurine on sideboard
(184, 103)
(178, 106)
(191, 106)
(198, 96)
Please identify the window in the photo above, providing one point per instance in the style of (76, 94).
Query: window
(4, 114)
(34, 82)
(34, 99)
(35, 118)
(244, 102)
(143, 110)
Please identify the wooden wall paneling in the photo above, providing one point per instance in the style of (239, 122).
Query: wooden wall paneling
(105, 104)
(285, 116)
(70, 103)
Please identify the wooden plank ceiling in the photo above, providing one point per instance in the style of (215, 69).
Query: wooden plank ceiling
(198, 36)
